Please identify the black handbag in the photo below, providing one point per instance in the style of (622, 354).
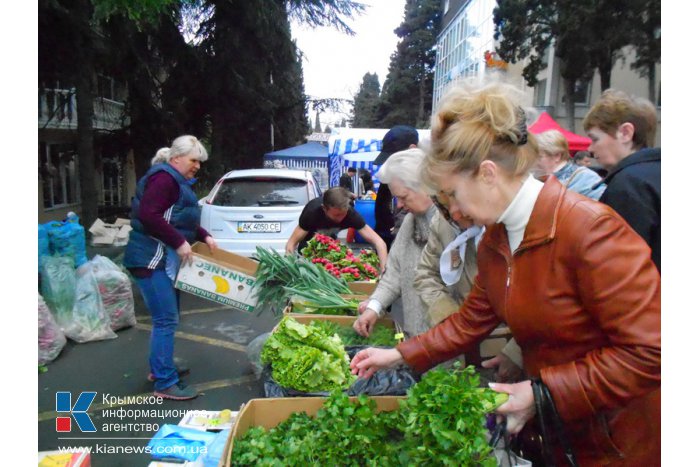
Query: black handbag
(548, 417)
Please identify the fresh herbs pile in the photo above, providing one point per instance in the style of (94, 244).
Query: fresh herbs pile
(306, 359)
(381, 335)
(441, 422)
(341, 433)
(340, 261)
(275, 272)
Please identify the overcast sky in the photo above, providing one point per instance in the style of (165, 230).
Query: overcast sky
(334, 63)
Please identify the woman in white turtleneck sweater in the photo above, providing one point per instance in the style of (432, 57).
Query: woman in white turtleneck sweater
(571, 279)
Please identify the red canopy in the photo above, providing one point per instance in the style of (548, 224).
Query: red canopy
(545, 122)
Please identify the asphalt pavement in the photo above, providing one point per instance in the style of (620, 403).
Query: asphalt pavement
(211, 339)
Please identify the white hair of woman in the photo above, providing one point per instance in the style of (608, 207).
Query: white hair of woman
(403, 167)
(185, 145)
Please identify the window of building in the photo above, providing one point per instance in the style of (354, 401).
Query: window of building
(582, 92)
(541, 93)
(447, 6)
(59, 168)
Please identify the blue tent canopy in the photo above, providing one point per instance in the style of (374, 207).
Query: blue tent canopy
(310, 151)
(310, 156)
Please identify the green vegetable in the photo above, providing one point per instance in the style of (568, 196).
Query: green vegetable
(306, 359)
(275, 272)
(321, 302)
(381, 335)
(341, 433)
(441, 422)
(445, 419)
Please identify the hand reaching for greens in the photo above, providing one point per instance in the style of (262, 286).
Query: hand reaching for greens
(520, 406)
(364, 324)
(366, 362)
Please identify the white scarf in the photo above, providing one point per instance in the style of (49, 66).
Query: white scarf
(452, 259)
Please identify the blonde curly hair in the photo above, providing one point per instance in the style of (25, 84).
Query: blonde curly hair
(475, 122)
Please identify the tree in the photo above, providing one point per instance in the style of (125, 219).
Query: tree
(254, 79)
(527, 28)
(610, 28)
(646, 39)
(79, 39)
(406, 96)
(317, 126)
(366, 102)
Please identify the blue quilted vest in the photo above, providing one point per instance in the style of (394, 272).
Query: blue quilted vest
(145, 251)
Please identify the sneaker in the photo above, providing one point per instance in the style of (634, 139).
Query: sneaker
(178, 392)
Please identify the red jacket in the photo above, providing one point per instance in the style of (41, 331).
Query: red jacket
(582, 298)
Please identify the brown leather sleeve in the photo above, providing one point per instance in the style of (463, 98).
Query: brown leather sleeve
(620, 288)
(455, 335)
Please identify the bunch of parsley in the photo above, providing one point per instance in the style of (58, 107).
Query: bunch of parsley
(306, 359)
(381, 335)
(441, 422)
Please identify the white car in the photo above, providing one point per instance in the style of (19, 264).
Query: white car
(257, 207)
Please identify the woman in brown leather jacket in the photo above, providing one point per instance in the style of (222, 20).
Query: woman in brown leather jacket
(575, 284)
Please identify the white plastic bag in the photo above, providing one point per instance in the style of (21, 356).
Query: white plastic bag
(253, 350)
(115, 292)
(58, 286)
(51, 338)
(88, 322)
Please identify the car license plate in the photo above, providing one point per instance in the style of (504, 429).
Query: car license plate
(259, 227)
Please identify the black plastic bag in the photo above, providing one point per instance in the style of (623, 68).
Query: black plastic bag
(393, 382)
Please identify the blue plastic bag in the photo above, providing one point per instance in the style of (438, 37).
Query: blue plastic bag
(44, 248)
(67, 238)
(216, 449)
(176, 442)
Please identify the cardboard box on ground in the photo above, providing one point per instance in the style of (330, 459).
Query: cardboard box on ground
(269, 413)
(116, 234)
(222, 277)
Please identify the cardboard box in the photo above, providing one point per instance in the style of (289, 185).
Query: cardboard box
(269, 413)
(222, 277)
(362, 287)
(116, 234)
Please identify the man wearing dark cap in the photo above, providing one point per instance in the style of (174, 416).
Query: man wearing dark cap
(398, 138)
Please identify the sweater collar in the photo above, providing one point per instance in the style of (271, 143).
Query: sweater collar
(517, 213)
(541, 225)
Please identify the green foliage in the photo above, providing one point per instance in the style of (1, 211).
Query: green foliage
(440, 423)
(406, 96)
(138, 11)
(342, 433)
(306, 359)
(445, 424)
(275, 272)
(366, 102)
(381, 335)
(321, 302)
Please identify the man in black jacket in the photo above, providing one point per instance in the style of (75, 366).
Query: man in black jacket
(398, 138)
(623, 130)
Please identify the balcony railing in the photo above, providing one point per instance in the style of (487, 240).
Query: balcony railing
(58, 110)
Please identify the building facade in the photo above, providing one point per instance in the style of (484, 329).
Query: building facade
(466, 48)
(59, 185)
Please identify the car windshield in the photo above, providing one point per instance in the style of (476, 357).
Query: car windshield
(261, 191)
